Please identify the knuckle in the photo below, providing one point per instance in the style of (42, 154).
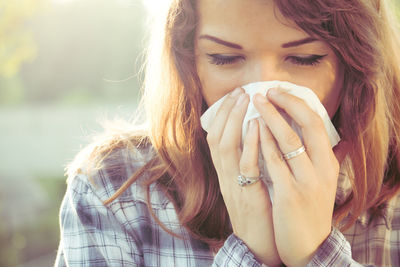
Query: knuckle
(249, 169)
(226, 106)
(292, 139)
(315, 121)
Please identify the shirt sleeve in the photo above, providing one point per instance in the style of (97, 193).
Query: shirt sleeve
(91, 234)
(234, 253)
(334, 251)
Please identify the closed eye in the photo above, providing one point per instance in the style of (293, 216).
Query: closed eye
(312, 60)
(306, 61)
(218, 59)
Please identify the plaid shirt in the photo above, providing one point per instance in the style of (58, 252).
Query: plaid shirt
(125, 234)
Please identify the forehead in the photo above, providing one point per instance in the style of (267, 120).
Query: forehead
(258, 20)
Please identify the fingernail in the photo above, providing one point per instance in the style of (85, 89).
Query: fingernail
(241, 99)
(274, 91)
(260, 98)
(236, 92)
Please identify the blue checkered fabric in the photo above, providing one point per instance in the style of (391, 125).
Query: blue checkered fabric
(124, 233)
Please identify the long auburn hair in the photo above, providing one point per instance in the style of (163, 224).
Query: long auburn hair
(365, 37)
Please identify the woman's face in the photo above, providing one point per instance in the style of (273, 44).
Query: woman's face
(243, 41)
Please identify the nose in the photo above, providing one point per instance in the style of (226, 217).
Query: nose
(266, 69)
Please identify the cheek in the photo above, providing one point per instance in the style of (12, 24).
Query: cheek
(328, 91)
(327, 83)
(214, 85)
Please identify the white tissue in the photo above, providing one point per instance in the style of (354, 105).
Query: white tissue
(262, 87)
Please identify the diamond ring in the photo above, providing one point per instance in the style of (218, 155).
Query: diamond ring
(243, 180)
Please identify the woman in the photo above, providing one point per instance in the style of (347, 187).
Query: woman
(167, 194)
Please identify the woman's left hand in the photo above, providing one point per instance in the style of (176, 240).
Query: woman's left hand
(305, 185)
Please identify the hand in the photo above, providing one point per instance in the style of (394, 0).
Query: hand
(304, 186)
(249, 207)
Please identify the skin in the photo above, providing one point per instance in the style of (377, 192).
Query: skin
(262, 57)
(292, 229)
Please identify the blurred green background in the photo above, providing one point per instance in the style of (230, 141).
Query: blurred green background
(64, 65)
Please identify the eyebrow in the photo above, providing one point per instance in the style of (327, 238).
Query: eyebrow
(219, 41)
(299, 42)
(236, 46)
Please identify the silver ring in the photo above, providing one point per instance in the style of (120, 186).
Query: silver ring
(295, 153)
(243, 180)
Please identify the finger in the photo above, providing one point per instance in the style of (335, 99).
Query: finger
(217, 128)
(287, 139)
(249, 158)
(249, 166)
(279, 172)
(231, 138)
(314, 133)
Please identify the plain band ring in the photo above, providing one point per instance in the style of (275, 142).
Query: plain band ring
(295, 153)
(243, 180)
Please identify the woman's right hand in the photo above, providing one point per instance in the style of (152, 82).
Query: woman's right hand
(249, 207)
